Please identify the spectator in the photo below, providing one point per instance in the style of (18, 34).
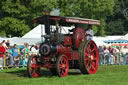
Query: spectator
(116, 54)
(106, 56)
(111, 56)
(89, 33)
(8, 43)
(119, 55)
(15, 54)
(25, 54)
(33, 50)
(124, 54)
(37, 48)
(2, 51)
(11, 57)
(101, 51)
(4, 43)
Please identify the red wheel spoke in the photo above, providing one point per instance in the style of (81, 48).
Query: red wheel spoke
(89, 68)
(65, 62)
(86, 54)
(93, 49)
(93, 65)
(86, 59)
(87, 64)
(63, 72)
(33, 72)
(33, 66)
(89, 49)
(61, 62)
(93, 68)
(61, 66)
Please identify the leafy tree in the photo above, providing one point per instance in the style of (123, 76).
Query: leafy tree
(115, 27)
(117, 23)
(17, 15)
(94, 9)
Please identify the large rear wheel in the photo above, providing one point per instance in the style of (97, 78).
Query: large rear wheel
(62, 66)
(33, 67)
(88, 57)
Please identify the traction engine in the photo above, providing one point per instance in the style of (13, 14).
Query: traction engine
(61, 52)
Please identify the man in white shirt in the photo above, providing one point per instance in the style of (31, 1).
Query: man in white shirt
(89, 33)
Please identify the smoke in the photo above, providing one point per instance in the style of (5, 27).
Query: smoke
(55, 12)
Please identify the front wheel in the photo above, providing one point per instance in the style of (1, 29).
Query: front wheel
(62, 66)
(33, 67)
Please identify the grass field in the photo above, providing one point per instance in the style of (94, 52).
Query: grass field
(106, 75)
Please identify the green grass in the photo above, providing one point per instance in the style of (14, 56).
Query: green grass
(106, 75)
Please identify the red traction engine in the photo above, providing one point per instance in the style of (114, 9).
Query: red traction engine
(61, 52)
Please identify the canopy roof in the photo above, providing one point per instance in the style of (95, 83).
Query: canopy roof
(123, 39)
(116, 41)
(69, 20)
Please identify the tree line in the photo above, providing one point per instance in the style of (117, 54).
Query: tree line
(16, 16)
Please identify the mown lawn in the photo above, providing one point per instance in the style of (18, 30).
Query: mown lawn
(106, 75)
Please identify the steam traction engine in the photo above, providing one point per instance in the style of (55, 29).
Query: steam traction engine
(61, 52)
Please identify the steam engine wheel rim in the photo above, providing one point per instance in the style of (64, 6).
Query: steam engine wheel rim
(78, 37)
(32, 67)
(62, 66)
(89, 57)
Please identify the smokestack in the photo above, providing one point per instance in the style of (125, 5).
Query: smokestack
(47, 22)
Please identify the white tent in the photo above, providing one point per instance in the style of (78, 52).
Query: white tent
(37, 31)
(1, 39)
(99, 41)
(125, 37)
(21, 41)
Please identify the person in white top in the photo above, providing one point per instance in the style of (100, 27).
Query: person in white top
(106, 55)
(124, 51)
(4, 43)
(116, 54)
(33, 50)
(89, 33)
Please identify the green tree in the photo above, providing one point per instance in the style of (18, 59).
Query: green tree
(17, 15)
(115, 27)
(94, 9)
(117, 23)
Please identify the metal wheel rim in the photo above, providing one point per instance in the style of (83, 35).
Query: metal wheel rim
(91, 57)
(63, 66)
(34, 69)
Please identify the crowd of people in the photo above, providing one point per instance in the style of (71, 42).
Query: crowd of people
(14, 56)
(109, 55)
(113, 55)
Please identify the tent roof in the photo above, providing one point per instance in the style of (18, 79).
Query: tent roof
(37, 31)
(125, 37)
(34, 33)
(99, 42)
(21, 41)
(116, 41)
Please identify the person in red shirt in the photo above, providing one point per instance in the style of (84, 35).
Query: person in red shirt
(2, 51)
